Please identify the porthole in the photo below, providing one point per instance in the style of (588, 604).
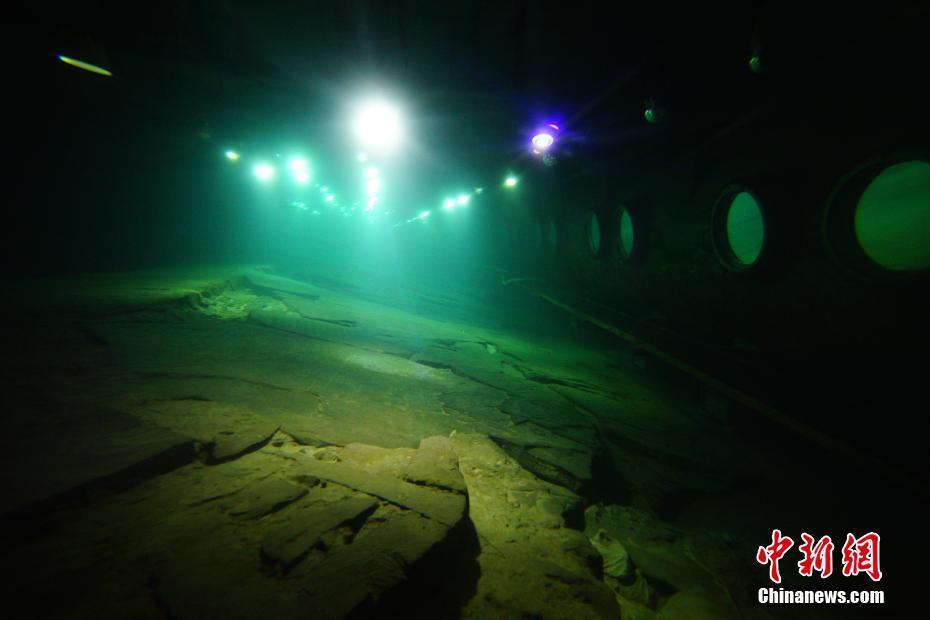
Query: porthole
(878, 218)
(892, 217)
(625, 233)
(594, 234)
(739, 229)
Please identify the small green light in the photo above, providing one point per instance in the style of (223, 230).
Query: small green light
(755, 64)
(449, 203)
(232, 156)
(423, 215)
(463, 199)
(330, 198)
(511, 181)
(650, 115)
(80, 64)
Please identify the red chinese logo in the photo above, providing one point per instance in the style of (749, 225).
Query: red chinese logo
(860, 555)
(817, 557)
(773, 553)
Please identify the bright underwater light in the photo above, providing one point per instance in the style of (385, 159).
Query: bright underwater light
(463, 199)
(232, 155)
(449, 203)
(86, 66)
(511, 181)
(542, 141)
(378, 125)
(300, 169)
(264, 172)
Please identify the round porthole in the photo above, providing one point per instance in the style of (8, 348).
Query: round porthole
(739, 229)
(625, 233)
(892, 217)
(594, 234)
(878, 218)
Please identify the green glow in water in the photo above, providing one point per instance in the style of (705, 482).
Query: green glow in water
(626, 234)
(892, 219)
(594, 234)
(745, 228)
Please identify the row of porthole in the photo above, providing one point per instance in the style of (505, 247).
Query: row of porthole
(625, 239)
(548, 233)
(876, 222)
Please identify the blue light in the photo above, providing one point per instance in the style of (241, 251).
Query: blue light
(544, 138)
(542, 141)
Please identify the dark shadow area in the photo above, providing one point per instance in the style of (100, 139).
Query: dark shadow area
(438, 585)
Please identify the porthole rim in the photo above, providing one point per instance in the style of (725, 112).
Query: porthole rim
(848, 254)
(720, 238)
